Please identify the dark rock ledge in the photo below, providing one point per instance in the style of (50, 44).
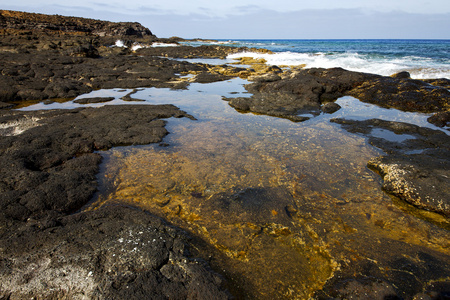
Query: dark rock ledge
(290, 94)
(47, 250)
(416, 170)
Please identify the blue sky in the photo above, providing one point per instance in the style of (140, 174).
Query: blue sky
(263, 19)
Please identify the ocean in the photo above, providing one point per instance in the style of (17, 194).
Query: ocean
(421, 58)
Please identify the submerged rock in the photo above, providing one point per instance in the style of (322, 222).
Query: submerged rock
(94, 100)
(50, 165)
(416, 169)
(421, 180)
(297, 92)
(50, 250)
(291, 94)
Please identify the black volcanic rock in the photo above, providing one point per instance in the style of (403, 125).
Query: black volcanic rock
(416, 170)
(33, 21)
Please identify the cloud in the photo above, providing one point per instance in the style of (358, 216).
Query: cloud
(255, 22)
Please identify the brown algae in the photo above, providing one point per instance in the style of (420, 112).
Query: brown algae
(283, 205)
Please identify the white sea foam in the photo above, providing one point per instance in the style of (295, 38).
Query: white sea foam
(136, 47)
(418, 67)
(119, 43)
(164, 45)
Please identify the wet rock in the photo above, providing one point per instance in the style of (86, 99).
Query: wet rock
(404, 94)
(56, 76)
(300, 92)
(440, 119)
(94, 100)
(265, 78)
(50, 166)
(206, 77)
(297, 92)
(115, 252)
(402, 75)
(5, 105)
(416, 169)
(442, 82)
(330, 107)
(402, 280)
(421, 180)
(241, 103)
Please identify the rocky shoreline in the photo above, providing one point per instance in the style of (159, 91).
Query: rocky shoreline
(48, 159)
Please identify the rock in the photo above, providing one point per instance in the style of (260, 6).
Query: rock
(94, 100)
(87, 50)
(440, 119)
(403, 94)
(32, 21)
(115, 252)
(416, 170)
(203, 51)
(265, 78)
(5, 105)
(402, 280)
(241, 103)
(421, 180)
(51, 164)
(402, 75)
(56, 80)
(442, 82)
(206, 77)
(293, 93)
(300, 92)
(330, 107)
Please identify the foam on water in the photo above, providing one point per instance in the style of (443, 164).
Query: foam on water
(421, 58)
(419, 67)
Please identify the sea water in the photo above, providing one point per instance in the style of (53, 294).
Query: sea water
(422, 58)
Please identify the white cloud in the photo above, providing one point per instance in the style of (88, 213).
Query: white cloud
(248, 20)
(218, 8)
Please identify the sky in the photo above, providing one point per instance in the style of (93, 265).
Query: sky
(264, 19)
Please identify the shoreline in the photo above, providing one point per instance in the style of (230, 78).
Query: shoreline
(48, 170)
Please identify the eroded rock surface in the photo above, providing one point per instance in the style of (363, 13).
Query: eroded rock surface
(417, 167)
(115, 252)
(290, 94)
(48, 171)
(50, 166)
(33, 21)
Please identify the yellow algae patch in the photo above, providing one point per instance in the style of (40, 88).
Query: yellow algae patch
(282, 206)
(249, 61)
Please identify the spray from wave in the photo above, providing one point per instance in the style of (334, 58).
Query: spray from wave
(418, 67)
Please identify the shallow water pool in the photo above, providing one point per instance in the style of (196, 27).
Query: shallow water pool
(281, 207)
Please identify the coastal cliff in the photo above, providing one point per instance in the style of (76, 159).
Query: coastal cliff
(70, 25)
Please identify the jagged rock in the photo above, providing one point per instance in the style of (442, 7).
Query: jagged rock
(440, 119)
(416, 170)
(402, 75)
(115, 252)
(32, 21)
(330, 107)
(94, 100)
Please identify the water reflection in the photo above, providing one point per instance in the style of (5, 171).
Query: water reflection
(283, 205)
